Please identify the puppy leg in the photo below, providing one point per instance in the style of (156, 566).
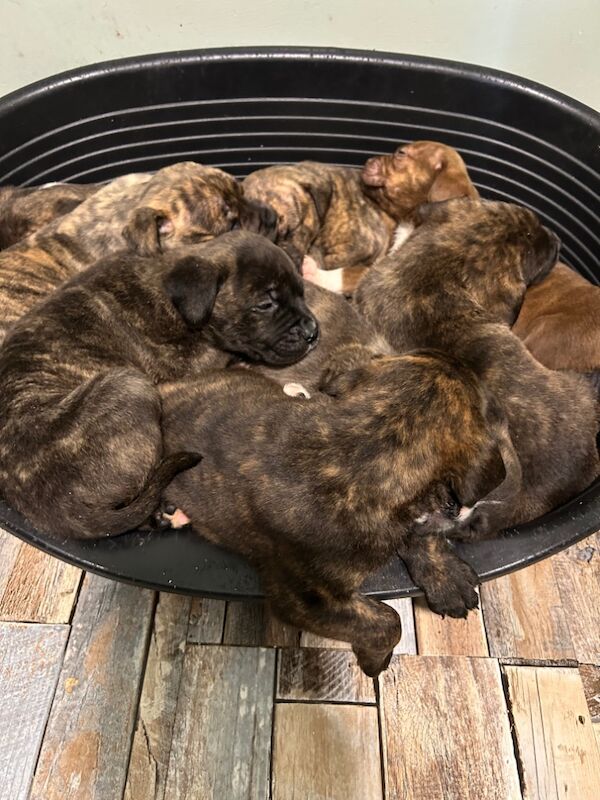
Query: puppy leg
(447, 581)
(372, 628)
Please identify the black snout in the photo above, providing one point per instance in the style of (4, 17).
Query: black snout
(555, 243)
(309, 328)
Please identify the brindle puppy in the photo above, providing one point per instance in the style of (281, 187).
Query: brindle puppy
(559, 322)
(457, 284)
(346, 219)
(178, 205)
(317, 494)
(24, 211)
(81, 449)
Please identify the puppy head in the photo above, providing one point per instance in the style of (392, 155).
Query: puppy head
(246, 295)
(495, 250)
(416, 173)
(188, 203)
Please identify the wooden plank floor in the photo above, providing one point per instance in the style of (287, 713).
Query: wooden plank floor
(108, 692)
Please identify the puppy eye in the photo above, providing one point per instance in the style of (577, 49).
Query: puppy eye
(268, 304)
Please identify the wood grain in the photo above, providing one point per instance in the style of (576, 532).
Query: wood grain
(149, 761)
(590, 678)
(34, 587)
(86, 747)
(448, 636)
(207, 618)
(222, 737)
(325, 675)
(447, 730)
(557, 746)
(30, 661)
(525, 618)
(253, 624)
(577, 573)
(326, 752)
(404, 608)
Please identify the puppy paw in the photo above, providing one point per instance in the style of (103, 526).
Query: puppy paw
(168, 516)
(454, 595)
(296, 390)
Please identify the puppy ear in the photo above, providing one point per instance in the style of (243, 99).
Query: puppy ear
(321, 197)
(192, 286)
(259, 218)
(143, 231)
(452, 180)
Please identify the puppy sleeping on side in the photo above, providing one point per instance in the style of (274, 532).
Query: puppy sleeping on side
(147, 214)
(344, 219)
(319, 493)
(457, 285)
(81, 448)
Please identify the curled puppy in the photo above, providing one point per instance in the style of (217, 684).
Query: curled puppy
(559, 322)
(147, 214)
(24, 211)
(398, 184)
(457, 285)
(319, 493)
(81, 451)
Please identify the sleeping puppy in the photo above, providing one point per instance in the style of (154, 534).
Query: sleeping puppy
(24, 211)
(457, 285)
(344, 337)
(147, 214)
(319, 493)
(559, 322)
(397, 184)
(81, 451)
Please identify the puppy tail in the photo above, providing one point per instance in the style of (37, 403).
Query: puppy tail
(133, 513)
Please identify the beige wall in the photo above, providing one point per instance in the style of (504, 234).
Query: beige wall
(556, 42)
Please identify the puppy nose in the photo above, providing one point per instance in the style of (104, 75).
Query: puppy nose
(309, 328)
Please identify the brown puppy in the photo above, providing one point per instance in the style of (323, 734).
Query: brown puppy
(416, 173)
(80, 439)
(457, 285)
(182, 204)
(319, 493)
(559, 322)
(24, 211)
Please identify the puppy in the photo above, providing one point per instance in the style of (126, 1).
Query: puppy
(319, 493)
(81, 450)
(457, 285)
(347, 219)
(24, 211)
(179, 205)
(559, 322)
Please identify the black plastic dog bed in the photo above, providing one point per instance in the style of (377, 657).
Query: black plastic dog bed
(243, 109)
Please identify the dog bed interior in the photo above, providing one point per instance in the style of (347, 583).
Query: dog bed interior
(242, 109)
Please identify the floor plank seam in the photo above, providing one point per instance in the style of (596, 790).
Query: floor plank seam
(310, 701)
(137, 718)
(513, 731)
(77, 595)
(540, 662)
(275, 701)
(381, 730)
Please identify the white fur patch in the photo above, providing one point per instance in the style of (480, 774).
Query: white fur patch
(403, 231)
(296, 390)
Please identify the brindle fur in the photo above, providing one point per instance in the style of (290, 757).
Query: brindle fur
(81, 450)
(319, 493)
(322, 212)
(457, 284)
(559, 321)
(182, 204)
(24, 211)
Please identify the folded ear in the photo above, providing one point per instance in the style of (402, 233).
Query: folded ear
(259, 218)
(192, 286)
(144, 230)
(452, 180)
(321, 197)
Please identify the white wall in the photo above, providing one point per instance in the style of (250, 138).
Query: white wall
(556, 42)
